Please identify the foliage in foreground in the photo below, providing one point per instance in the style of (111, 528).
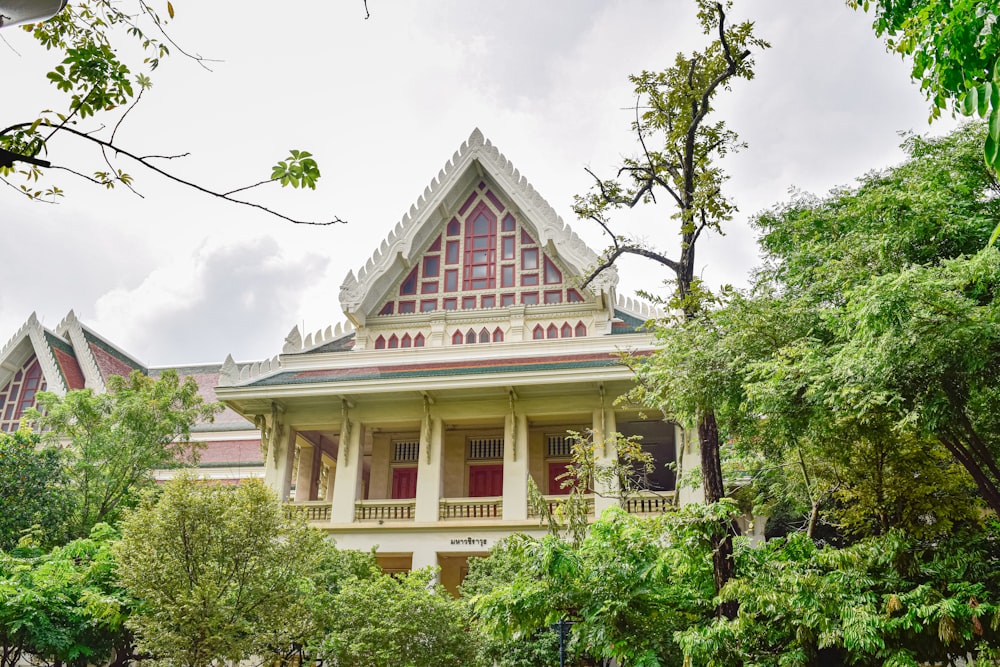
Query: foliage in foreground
(63, 606)
(114, 440)
(33, 493)
(218, 570)
(891, 601)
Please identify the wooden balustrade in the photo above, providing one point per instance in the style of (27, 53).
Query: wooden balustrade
(650, 502)
(316, 510)
(554, 500)
(471, 508)
(384, 510)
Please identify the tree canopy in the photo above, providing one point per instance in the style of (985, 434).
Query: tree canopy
(33, 490)
(117, 438)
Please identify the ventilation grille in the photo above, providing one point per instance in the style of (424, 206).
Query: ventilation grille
(484, 449)
(559, 446)
(406, 451)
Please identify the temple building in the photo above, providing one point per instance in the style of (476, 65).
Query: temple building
(73, 356)
(469, 350)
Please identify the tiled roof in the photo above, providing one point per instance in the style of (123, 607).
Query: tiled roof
(629, 323)
(207, 377)
(471, 367)
(110, 360)
(344, 344)
(66, 362)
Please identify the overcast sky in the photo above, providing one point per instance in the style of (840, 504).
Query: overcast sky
(179, 277)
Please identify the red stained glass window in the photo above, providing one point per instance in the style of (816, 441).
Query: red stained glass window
(489, 302)
(405, 341)
(380, 343)
(432, 265)
(508, 223)
(497, 335)
(436, 246)
(566, 331)
(429, 287)
(407, 307)
(507, 276)
(418, 340)
(553, 276)
(479, 270)
(451, 253)
(453, 227)
(457, 338)
(393, 342)
(529, 259)
(386, 309)
(573, 296)
(468, 302)
(470, 337)
(538, 333)
(451, 304)
(451, 280)
(553, 297)
(527, 240)
(409, 285)
(507, 300)
(552, 332)
(581, 329)
(529, 279)
(529, 298)
(507, 247)
(427, 305)
(484, 336)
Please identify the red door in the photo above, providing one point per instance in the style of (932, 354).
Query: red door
(404, 483)
(557, 468)
(485, 481)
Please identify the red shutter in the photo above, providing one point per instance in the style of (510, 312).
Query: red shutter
(404, 483)
(485, 481)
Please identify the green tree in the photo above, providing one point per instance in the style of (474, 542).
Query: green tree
(889, 600)
(903, 326)
(217, 570)
(398, 620)
(628, 587)
(955, 47)
(101, 88)
(116, 439)
(680, 151)
(33, 492)
(64, 607)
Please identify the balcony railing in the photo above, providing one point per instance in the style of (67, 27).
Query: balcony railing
(314, 510)
(471, 508)
(384, 510)
(553, 501)
(650, 502)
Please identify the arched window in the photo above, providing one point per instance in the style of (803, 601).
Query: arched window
(538, 333)
(581, 329)
(457, 338)
(497, 335)
(393, 342)
(552, 332)
(19, 394)
(406, 341)
(567, 330)
(418, 340)
(484, 336)
(470, 337)
(480, 268)
(380, 343)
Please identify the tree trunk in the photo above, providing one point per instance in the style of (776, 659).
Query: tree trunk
(723, 567)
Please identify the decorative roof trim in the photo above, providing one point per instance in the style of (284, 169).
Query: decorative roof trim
(547, 222)
(47, 359)
(639, 309)
(72, 329)
(18, 336)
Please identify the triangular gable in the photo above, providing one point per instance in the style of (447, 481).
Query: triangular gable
(109, 359)
(486, 256)
(477, 176)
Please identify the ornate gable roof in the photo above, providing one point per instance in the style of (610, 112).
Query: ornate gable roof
(477, 161)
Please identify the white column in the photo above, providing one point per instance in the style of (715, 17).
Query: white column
(304, 479)
(348, 485)
(605, 455)
(426, 557)
(430, 476)
(688, 458)
(278, 465)
(515, 469)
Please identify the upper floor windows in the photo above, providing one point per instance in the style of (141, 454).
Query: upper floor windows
(19, 394)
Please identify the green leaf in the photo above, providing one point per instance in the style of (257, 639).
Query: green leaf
(970, 102)
(984, 99)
